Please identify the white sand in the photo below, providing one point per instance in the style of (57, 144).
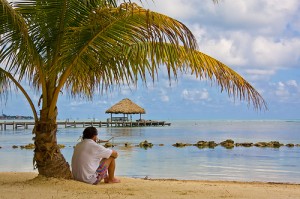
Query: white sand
(30, 185)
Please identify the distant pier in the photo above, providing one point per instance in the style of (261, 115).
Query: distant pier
(81, 124)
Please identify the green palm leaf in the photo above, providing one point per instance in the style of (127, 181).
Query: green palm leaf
(131, 42)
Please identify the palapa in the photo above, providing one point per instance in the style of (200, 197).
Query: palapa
(125, 106)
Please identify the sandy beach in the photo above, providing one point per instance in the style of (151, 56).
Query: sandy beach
(30, 185)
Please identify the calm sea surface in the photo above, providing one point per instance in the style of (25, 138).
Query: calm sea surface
(240, 163)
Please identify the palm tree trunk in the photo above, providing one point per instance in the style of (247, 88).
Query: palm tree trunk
(47, 155)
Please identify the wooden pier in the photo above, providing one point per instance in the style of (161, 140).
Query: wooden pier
(81, 124)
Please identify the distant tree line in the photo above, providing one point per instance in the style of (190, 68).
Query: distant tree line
(15, 117)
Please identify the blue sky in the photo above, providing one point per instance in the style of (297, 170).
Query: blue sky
(260, 39)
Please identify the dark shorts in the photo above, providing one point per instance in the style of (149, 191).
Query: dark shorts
(101, 171)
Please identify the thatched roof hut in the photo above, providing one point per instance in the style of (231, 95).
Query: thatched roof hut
(125, 106)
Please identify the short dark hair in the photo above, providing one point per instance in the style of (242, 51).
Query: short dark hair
(89, 132)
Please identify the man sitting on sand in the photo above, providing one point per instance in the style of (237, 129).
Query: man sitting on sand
(92, 162)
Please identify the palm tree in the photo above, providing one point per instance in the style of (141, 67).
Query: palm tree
(80, 46)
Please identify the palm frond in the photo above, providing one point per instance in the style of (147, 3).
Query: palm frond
(5, 79)
(111, 28)
(5, 86)
(102, 38)
(16, 46)
(133, 42)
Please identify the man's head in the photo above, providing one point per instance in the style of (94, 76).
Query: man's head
(89, 133)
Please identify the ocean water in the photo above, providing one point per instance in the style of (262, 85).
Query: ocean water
(190, 163)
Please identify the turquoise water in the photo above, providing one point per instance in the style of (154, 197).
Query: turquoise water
(240, 163)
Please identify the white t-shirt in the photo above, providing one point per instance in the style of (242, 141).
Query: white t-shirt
(86, 158)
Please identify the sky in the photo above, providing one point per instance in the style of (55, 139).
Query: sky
(259, 39)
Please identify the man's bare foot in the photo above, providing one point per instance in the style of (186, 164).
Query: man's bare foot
(115, 180)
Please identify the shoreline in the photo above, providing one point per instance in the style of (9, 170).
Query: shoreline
(31, 185)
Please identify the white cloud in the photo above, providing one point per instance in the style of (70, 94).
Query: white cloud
(287, 91)
(262, 15)
(101, 102)
(257, 38)
(276, 54)
(281, 91)
(125, 90)
(195, 95)
(163, 95)
(178, 9)
(258, 16)
(259, 74)
(243, 50)
(225, 50)
(292, 83)
(248, 34)
(165, 98)
(78, 103)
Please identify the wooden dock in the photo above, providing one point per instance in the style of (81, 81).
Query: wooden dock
(81, 124)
